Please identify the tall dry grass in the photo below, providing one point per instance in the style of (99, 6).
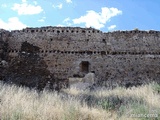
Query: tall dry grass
(17, 103)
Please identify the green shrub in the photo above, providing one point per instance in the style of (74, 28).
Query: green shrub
(110, 103)
(156, 87)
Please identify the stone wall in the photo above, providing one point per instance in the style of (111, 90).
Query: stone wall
(120, 57)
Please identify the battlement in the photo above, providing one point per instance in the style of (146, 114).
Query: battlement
(58, 30)
(75, 30)
(134, 32)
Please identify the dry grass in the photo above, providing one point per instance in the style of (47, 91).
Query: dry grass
(23, 104)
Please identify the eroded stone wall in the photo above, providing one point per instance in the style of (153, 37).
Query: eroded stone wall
(120, 57)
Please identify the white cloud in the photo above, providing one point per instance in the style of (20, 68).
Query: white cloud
(69, 1)
(4, 5)
(112, 27)
(97, 20)
(12, 24)
(24, 0)
(26, 9)
(58, 6)
(42, 19)
(59, 25)
(67, 21)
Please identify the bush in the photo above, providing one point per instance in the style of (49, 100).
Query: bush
(110, 103)
(156, 87)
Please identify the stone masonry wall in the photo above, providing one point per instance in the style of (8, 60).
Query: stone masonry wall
(120, 57)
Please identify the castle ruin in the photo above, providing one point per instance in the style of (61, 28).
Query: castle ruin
(119, 57)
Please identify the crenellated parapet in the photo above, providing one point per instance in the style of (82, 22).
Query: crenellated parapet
(59, 30)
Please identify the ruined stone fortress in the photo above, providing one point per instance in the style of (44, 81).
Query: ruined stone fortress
(117, 57)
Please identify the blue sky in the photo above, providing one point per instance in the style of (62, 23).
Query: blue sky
(106, 15)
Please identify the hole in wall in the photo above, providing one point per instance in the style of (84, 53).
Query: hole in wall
(89, 52)
(103, 40)
(92, 71)
(84, 65)
(32, 31)
(76, 75)
(83, 31)
(87, 40)
(103, 53)
(58, 31)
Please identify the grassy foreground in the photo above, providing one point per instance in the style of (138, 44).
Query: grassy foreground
(141, 103)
